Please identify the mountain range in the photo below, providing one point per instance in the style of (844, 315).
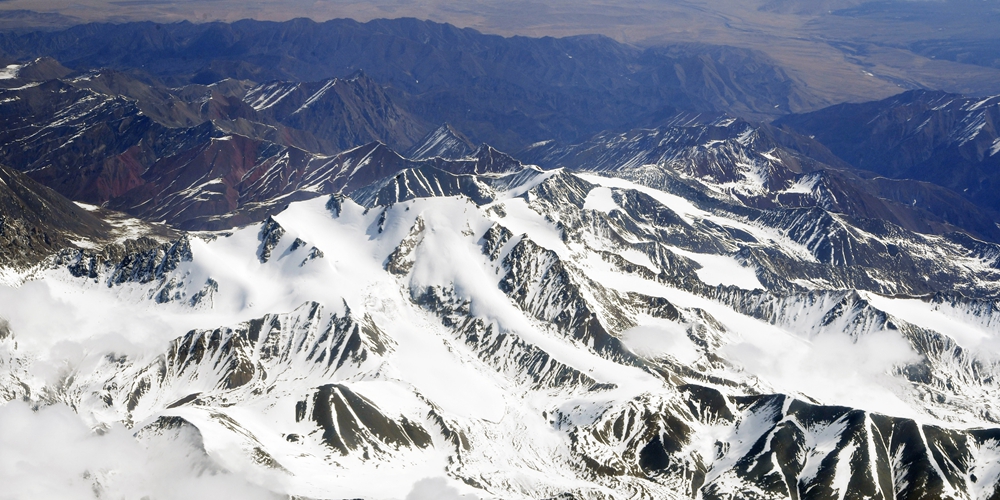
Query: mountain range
(399, 259)
(508, 91)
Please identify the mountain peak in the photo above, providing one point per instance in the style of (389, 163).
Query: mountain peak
(443, 142)
(492, 161)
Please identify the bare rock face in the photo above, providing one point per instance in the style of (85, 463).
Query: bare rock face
(770, 168)
(188, 155)
(270, 234)
(945, 139)
(509, 92)
(351, 423)
(344, 112)
(36, 221)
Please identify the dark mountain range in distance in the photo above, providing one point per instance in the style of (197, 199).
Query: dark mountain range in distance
(507, 91)
(840, 50)
(947, 139)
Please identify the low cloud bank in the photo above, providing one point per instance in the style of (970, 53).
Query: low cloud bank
(52, 454)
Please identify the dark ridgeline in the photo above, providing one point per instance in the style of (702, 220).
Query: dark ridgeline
(506, 91)
(234, 151)
(946, 139)
(833, 183)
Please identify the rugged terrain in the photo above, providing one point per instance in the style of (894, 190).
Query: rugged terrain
(947, 139)
(249, 282)
(606, 329)
(506, 91)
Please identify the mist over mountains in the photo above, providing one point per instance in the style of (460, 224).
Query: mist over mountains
(403, 259)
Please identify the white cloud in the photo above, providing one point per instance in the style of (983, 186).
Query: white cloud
(436, 488)
(52, 454)
(832, 368)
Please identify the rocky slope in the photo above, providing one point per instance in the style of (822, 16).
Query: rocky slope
(946, 139)
(764, 167)
(108, 138)
(36, 222)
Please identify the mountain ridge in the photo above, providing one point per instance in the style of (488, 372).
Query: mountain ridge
(511, 84)
(943, 138)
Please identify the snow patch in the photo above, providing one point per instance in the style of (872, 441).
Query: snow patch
(86, 206)
(931, 317)
(10, 71)
(601, 199)
(679, 205)
(436, 488)
(803, 185)
(722, 270)
(788, 361)
(521, 219)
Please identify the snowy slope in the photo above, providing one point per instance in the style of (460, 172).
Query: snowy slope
(518, 335)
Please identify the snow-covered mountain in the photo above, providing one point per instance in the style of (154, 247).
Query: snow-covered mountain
(701, 311)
